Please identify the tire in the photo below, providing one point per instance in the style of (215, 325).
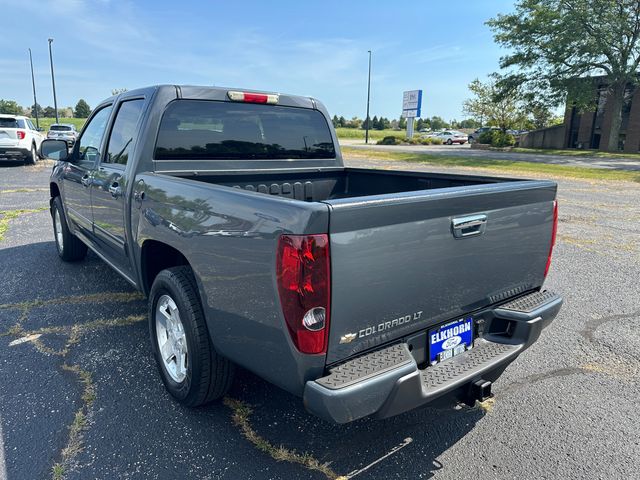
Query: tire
(202, 375)
(32, 158)
(449, 142)
(70, 248)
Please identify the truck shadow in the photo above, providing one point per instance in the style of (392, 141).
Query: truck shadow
(405, 446)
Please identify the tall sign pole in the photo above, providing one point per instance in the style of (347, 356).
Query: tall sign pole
(411, 108)
(33, 82)
(366, 134)
(53, 81)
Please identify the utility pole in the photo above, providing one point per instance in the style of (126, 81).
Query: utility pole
(366, 135)
(53, 81)
(33, 82)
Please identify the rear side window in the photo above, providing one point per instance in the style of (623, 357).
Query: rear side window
(123, 133)
(211, 130)
(8, 123)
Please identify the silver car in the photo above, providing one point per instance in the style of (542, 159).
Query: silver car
(63, 131)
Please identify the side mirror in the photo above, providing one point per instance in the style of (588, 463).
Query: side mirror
(40, 129)
(55, 150)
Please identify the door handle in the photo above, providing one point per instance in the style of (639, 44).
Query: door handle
(470, 226)
(86, 180)
(115, 190)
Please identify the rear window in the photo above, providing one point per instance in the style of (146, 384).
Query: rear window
(211, 130)
(8, 123)
(60, 128)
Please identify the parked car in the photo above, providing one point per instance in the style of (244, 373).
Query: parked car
(19, 139)
(364, 291)
(452, 136)
(473, 137)
(63, 131)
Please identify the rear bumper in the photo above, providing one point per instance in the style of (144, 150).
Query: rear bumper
(14, 153)
(70, 140)
(388, 382)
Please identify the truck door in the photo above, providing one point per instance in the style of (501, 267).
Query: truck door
(109, 201)
(78, 172)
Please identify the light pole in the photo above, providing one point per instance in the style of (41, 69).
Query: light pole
(366, 135)
(53, 81)
(33, 82)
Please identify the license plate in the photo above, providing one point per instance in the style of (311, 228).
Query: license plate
(451, 339)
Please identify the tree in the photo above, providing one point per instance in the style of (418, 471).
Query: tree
(402, 123)
(34, 107)
(437, 123)
(49, 112)
(10, 107)
(82, 110)
(540, 115)
(355, 122)
(342, 121)
(66, 112)
(554, 44)
(469, 123)
(493, 106)
(335, 121)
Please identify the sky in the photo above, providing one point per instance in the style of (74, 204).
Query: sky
(317, 49)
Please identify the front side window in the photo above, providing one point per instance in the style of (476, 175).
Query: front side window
(89, 143)
(123, 133)
(213, 130)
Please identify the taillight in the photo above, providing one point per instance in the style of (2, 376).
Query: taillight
(303, 284)
(554, 231)
(21, 134)
(249, 97)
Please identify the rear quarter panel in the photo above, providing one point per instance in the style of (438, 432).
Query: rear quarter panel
(229, 237)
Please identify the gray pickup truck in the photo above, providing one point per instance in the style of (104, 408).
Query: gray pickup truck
(365, 292)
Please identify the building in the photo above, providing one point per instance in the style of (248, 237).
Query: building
(591, 129)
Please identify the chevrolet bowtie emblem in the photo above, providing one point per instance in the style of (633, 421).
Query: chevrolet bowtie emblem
(348, 338)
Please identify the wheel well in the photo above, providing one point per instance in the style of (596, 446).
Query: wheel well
(155, 257)
(54, 191)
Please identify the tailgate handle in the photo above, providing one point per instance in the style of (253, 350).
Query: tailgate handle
(470, 226)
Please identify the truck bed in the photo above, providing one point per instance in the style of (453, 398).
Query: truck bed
(342, 183)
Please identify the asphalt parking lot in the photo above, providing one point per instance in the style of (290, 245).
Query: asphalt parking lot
(80, 397)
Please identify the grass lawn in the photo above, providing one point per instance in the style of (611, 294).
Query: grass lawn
(498, 165)
(47, 122)
(375, 134)
(578, 153)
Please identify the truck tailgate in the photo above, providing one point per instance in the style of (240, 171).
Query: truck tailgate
(404, 262)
